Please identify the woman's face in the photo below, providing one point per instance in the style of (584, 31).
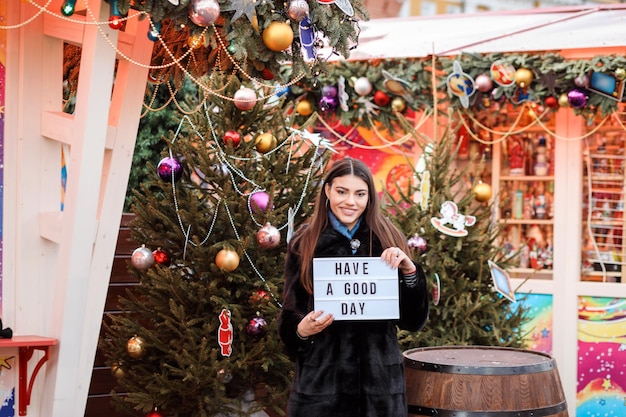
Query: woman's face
(348, 197)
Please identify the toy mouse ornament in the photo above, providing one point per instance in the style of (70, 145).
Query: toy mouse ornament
(450, 215)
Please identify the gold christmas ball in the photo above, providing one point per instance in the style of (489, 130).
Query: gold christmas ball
(227, 259)
(398, 104)
(482, 191)
(265, 142)
(523, 77)
(304, 107)
(563, 100)
(136, 347)
(116, 370)
(195, 41)
(278, 36)
(620, 74)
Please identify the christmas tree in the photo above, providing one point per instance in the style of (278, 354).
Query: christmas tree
(198, 336)
(466, 308)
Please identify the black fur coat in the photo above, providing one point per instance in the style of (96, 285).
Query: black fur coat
(352, 368)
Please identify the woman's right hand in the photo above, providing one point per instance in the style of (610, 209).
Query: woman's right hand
(313, 323)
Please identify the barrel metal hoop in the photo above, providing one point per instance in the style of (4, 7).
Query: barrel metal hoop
(482, 370)
(439, 412)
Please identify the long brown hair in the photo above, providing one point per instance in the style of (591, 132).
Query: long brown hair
(304, 242)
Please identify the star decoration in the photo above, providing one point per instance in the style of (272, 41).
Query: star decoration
(606, 384)
(4, 362)
(315, 138)
(549, 80)
(242, 6)
(545, 333)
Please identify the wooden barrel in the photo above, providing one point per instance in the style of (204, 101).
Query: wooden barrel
(482, 381)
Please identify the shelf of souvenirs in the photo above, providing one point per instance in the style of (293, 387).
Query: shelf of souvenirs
(601, 276)
(526, 221)
(530, 273)
(527, 178)
(604, 264)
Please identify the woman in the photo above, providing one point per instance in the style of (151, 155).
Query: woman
(347, 368)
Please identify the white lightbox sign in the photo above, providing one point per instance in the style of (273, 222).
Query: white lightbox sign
(356, 288)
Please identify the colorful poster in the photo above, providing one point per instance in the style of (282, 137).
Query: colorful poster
(8, 361)
(8, 372)
(539, 328)
(601, 384)
(3, 55)
(388, 156)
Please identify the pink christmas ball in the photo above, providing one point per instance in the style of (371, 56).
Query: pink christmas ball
(259, 201)
(483, 83)
(268, 236)
(418, 242)
(245, 98)
(204, 12)
(582, 81)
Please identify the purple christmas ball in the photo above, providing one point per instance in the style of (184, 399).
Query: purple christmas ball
(169, 168)
(577, 98)
(256, 327)
(418, 242)
(329, 91)
(328, 104)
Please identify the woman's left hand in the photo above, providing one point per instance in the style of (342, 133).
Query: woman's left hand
(398, 259)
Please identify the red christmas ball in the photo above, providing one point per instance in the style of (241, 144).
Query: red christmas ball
(161, 257)
(233, 137)
(381, 99)
(154, 413)
(259, 295)
(116, 22)
(267, 74)
(552, 102)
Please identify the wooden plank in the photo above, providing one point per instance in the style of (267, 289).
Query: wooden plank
(120, 272)
(125, 244)
(115, 291)
(100, 406)
(70, 30)
(57, 125)
(102, 381)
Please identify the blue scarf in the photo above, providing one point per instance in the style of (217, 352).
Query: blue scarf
(343, 229)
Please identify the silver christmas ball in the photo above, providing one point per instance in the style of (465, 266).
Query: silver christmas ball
(297, 10)
(142, 258)
(204, 12)
(363, 86)
(268, 236)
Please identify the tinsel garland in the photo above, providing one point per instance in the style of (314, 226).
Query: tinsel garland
(553, 77)
(243, 36)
